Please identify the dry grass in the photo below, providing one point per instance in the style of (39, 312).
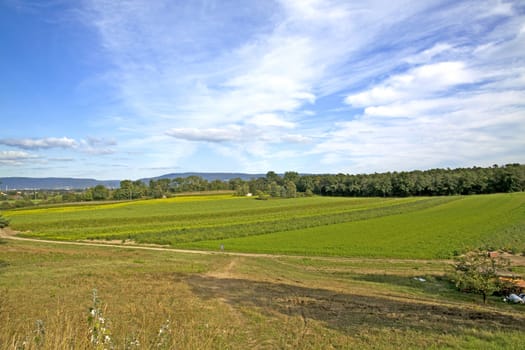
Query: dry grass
(228, 302)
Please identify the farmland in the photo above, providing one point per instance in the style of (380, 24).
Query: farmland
(337, 273)
(422, 227)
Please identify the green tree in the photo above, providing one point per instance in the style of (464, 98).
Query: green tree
(271, 176)
(290, 189)
(261, 195)
(100, 192)
(3, 222)
(126, 190)
(242, 189)
(159, 188)
(476, 272)
(274, 189)
(291, 176)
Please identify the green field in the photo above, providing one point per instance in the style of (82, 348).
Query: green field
(415, 227)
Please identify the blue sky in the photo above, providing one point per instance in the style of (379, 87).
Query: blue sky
(129, 89)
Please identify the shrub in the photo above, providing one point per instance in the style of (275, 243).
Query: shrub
(3, 222)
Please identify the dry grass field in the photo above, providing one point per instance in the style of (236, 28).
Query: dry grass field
(152, 299)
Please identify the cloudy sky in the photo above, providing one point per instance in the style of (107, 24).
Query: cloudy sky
(128, 89)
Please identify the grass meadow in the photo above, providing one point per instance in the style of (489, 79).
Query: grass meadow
(339, 273)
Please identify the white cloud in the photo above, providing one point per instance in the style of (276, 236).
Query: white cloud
(253, 134)
(498, 8)
(439, 111)
(296, 138)
(176, 71)
(427, 55)
(480, 125)
(98, 146)
(417, 82)
(423, 82)
(270, 120)
(232, 133)
(41, 143)
(15, 157)
(91, 145)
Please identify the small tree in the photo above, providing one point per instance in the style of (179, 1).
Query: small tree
(476, 272)
(3, 222)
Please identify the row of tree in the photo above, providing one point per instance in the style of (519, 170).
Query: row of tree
(435, 182)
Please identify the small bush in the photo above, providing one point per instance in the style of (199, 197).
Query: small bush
(3, 222)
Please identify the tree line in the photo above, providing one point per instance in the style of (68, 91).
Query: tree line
(434, 182)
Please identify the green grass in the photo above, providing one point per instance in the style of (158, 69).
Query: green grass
(174, 217)
(495, 221)
(435, 227)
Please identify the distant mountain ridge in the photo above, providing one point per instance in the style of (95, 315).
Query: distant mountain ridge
(207, 176)
(65, 183)
(52, 183)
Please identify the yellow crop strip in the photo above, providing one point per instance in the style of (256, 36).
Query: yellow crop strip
(104, 206)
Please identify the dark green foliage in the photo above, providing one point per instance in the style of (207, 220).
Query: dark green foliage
(100, 193)
(3, 222)
(435, 182)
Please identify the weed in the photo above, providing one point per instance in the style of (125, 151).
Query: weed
(100, 334)
(163, 336)
(40, 333)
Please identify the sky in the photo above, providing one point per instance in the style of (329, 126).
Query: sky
(131, 89)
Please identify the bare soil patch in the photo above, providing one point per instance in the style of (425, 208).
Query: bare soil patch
(348, 312)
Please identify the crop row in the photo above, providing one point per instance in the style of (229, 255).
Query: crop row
(488, 222)
(428, 227)
(161, 217)
(284, 223)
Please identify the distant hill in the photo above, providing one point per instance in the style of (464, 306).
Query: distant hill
(52, 183)
(63, 183)
(208, 176)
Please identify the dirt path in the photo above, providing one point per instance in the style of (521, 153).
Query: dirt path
(7, 233)
(227, 271)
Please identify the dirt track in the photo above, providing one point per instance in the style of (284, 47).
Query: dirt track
(10, 234)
